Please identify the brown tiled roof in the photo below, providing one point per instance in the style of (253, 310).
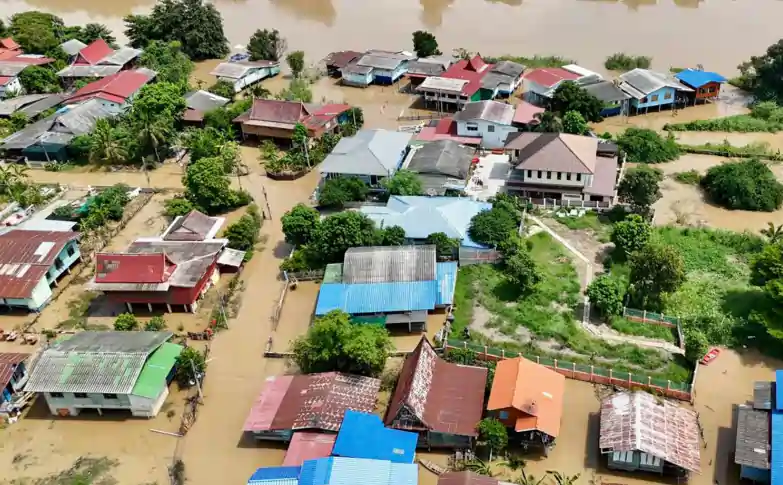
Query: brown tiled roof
(535, 390)
(465, 478)
(436, 395)
(556, 152)
(277, 111)
(8, 363)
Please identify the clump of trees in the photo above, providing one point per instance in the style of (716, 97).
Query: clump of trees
(630, 234)
(168, 60)
(743, 185)
(425, 44)
(333, 343)
(190, 366)
(303, 155)
(222, 88)
(640, 187)
(656, 270)
(104, 207)
(445, 246)
(569, 96)
(296, 62)
(642, 145)
(39, 80)
(208, 188)
(338, 191)
(492, 227)
(195, 24)
(761, 74)
(299, 224)
(404, 182)
(243, 234)
(623, 62)
(267, 45)
(493, 435)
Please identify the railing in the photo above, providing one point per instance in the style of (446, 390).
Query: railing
(584, 372)
(643, 316)
(468, 256)
(555, 203)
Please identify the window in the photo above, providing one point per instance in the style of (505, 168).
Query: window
(530, 174)
(568, 176)
(58, 264)
(579, 177)
(703, 90)
(472, 127)
(667, 96)
(644, 99)
(539, 174)
(559, 176)
(56, 395)
(712, 89)
(549, 175)
(70, 251)
(80, 395)
(503, 415)
(491, 128)
(654, 98)
(108, 395)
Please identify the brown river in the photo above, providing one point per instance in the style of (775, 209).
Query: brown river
(715, 33)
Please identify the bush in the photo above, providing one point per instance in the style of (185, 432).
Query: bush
(744, 185)
(446, 246)
(492, 227)
(691, 177)
(764, 117)
(606, 295)
(156, 324)
(404, 182)
(493, 434)
(631, 234)
(178, 206)
(696, 344)
(243, 234)
(299, 224)
(646, 146)
(623, 62)
(337, 191)
(126, 322)
(185, 363)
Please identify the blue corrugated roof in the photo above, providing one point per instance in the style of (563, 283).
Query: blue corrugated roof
(275, 475)
(363, 435)
(357, 471)
(377, 297)
(697, 79)
(776, 462)
(778, 390)
(447, 282)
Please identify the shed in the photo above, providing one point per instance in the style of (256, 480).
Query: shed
(363, 435)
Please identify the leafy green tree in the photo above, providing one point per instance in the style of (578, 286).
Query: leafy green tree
(160, 99)
(773, 233)
(631, 234)
(767, 272)
(3, 29)
(296, 61)
(267, 45)
(640, 187)
(202, 143)
(404, 182)
(392, 236)
(547, 122)
(761, 74)
(222, 88)
(569, 96)
(243, 234)
(333, 343)
(425, 44)
(94, 31)
(521, 270)
(178, 206)
(300, 224)
(743, 185)
(656, 269)
(575, 124)
(36, 32)
(188, 361)
(492, 434)
(196, 24)
(492, 227)
(606, 295)
(335, 192)
(126, 322)
(642, 145)
(445, 246)
(107, 146)
(155, 324)
(257, 91)
(153, 133)
(168, 60)
(297, 90)
(339, 232)
(39, 80)
(696, 344)
(208, 188)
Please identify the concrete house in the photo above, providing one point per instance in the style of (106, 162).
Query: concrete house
(370, 155)
(242, 74)
(106, 371)
(376, 66)
(650, 89)
(561, 166)
(31, 262)
(491, 120)
(97, 60)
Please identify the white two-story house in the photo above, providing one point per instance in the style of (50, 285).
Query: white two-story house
(491, 120)
(562, 166)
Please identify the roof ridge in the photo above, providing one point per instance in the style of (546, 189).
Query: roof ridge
(562, 140)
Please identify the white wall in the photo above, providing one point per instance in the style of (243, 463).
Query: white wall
(550, 178)
(12, 86)
(493, 135)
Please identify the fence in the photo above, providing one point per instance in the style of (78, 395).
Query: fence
(576, 204)
(468, 256)
(643, 316)
(583, 372)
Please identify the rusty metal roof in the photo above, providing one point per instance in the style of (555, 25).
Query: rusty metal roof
(314, 401)
(436, 395)
(8, 363)
(195, 226)
(25, 257)
(639, 421)
(753, 440)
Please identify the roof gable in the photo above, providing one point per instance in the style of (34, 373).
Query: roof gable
(559, 152)
(94, 52)
(278, 111)
(133, 268)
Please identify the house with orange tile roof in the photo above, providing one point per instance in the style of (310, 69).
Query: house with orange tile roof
(527, 398)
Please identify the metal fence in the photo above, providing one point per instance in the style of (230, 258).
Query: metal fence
(584, 372)
(653, 318)
(468, 256)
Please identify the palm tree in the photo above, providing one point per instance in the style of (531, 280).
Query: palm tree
(106, 146)
(19, 171)
(525, 479)
(562, 479)
(152, 133)
(479, 466)
(258, 91)
(773, 233)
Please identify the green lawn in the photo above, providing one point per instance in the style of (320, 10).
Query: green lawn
(549, 312)
(648, 330)
(598, 223)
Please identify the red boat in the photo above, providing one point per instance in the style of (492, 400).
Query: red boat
(710, 356)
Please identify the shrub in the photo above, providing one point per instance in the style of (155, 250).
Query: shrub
(126, 322)
(492, 227)
(189, 360)
(606, 295)
(156, 324)
(691, 177)
(631, 234)
(337, 191)
(743, 185)
(623, 62)
(243, 234)
(696, 344)
(299, 224)
(178, 206)
(646, 146)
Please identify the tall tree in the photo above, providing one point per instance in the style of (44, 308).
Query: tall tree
(761, 75)
(168, 60)
(152, 132)
(39, 80)
(106, 146)
(640, 188)
(569, 96)
(445, 245)
(336, 234)
(296, 61)
(266, 45)
(425, 44)
(37, 32)
(207, 186)
(575, 124)
(300, 224)
(656, 269)
(94, 31)
(642, 145)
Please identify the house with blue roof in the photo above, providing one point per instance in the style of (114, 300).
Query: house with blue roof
(275, 475)
(338, 470)
(388, 285)
(420, 216)
(363, 435)
(705, 84)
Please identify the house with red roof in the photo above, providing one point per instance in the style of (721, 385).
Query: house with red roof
(31, 263)
(99, 60)
(114, 91)
(541, 83)
(271, 118)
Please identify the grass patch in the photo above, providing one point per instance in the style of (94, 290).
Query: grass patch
(533, 62)
(764, 117)
(623, 62)
(759, 149)
(648, 330)
(590, 221)
(691, 177)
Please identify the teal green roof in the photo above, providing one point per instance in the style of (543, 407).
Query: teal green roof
(153, 375)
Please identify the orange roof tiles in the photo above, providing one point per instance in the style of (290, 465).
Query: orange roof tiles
(533, 389)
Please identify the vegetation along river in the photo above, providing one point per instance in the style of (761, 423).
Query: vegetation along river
(718, 34)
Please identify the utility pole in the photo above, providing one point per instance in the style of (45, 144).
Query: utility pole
(198, 382)
(307, 153)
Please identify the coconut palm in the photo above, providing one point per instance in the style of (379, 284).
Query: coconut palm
(562, 479)
(106, 146)
(479, 466)
(773, 233)
(151, 132)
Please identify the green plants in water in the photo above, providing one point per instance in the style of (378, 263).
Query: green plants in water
(690, 177)
(623, 62)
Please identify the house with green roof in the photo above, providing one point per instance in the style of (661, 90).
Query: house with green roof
(100, 371)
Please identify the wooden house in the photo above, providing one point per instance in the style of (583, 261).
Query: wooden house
(705, 84)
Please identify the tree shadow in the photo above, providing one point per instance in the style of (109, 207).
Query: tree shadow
(507, 290)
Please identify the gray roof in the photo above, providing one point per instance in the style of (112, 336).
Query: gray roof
(640, 82)
(121, 56)
(762, 394)
(606, 91)
(354, 68)
(89, 71)
(425, 68)
(231, 257)
(194, 226)
(38, 107)
(382, 59)
(59, 127)
(368, 152)
(493, 111)
(443, 60)
(752, 445)
(442, 157)
(389, 264)
(237, 70)
(204, 101)
(11, 106)
(192, 258)
(94, 362)
(72, 47)
(8, 68)
(509, 68)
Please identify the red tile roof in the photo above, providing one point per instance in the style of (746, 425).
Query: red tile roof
(25, 257)
(8, 363)
(472, 70)
(443, 397)
(550, 76)
(116, 88)
(93, 53)
(308, 446)
(133, 268)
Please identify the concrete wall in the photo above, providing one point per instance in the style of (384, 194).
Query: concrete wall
(358, 79)
(544, 177)
(138, 406)
(493, 135)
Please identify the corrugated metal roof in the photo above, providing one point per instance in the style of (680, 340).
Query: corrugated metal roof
(490, 111)
(333, 273)
(357, 471)
(779, 390)
(231, 257)
(389, 264)
(308, 446)
(204, 100)
(377, 297)
(267, 403)
(153, 375)
(363, 435)
(368, 152)
(87, 70)
(762, 394)
(275, 475)
(8, 363)
(697, 79)
(776, 463)
(195, 226)
(465, 478)
(447, 282)
(752, 445)
(26, 256)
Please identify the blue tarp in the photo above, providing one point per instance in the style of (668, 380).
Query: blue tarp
(776, 462)
(697, 79)
(363, 435)
(275, 475)
(356, 471)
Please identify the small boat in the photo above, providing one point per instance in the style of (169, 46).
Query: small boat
(433, 467)
(710, 356)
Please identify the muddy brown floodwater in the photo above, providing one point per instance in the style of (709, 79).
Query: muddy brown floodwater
(585, 30)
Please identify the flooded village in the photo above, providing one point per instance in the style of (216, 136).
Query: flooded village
(331, 255)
